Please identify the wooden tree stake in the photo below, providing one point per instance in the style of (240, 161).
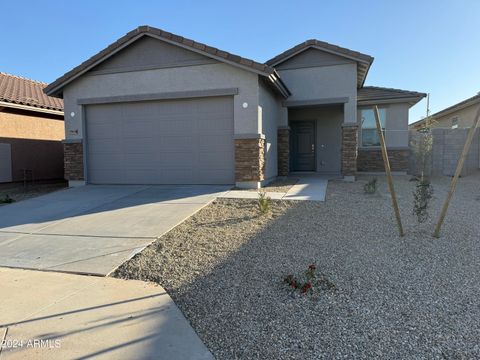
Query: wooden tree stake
(453, 184)
(386, 162)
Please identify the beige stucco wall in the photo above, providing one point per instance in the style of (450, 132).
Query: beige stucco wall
(465, 118)
(21, 126)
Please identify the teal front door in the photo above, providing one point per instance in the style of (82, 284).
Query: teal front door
(302, 148)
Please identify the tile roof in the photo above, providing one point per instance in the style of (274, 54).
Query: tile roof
(18, 90)
(371, 93)
(321, 44)
(263, 69)
(364, 60)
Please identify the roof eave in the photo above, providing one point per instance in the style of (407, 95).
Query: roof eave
(366, 73)
(30, 108)
(459, 106)
(279, 84)
(411, 100)
(279, 58)
(56, 87)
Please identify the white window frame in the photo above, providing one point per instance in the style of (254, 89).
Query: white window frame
(454, 122)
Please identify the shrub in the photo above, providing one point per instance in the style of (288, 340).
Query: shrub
(7, 200)
(371, 186)
(421, 198)
(264, 202)
(308, 282)
(422, 150)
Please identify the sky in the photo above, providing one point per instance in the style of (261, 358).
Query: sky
(430, 46)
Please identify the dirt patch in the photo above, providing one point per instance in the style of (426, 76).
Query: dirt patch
(19, 192)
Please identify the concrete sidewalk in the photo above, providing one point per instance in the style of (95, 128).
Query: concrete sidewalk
(53, 316)
(307, 189)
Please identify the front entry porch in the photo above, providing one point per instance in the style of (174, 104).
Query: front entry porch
(316, 139)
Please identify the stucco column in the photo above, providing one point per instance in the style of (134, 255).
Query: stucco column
(349, 151)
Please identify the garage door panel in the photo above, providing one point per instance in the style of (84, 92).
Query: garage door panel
(107, 161)
(213, 160)
(138, 160)
(178, 176)
(141, 176)
(214, 125)
(134, 128)
(177, 144)
(214, 176)
(139, 110)
(161, 142)
(104, 175)
(146, 145)
(214, 143)
(177, 127)
(176, 161)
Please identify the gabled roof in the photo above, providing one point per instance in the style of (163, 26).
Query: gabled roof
(364, 61)
(55, 88)
(16, 90)
(369, 94)
(462, 104)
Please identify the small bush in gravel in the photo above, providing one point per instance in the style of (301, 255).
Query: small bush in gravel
(264, 202)
(7, 200)
(309, 281)
(421, 198)
(371, 186)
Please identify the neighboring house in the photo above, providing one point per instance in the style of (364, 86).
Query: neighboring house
(450, 130)
(458, 116)
(31, 130)
(157, 108)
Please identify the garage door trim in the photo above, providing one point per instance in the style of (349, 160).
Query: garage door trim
(173, 95)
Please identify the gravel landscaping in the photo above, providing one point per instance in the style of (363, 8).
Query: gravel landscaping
(18, 192)
(415, 297)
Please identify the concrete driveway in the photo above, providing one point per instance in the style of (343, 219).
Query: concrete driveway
(93, 229)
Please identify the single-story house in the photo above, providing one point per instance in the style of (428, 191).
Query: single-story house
(31, 131)
(157, 108)
(458, 116)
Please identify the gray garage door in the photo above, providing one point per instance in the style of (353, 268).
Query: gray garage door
(161, 142)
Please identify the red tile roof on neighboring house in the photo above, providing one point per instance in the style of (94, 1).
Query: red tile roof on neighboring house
(21, 91)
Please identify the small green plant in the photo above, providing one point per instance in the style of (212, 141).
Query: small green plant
(7, 200)
(371, 186)
(421, 199)
(264, 202)
(309, 281)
